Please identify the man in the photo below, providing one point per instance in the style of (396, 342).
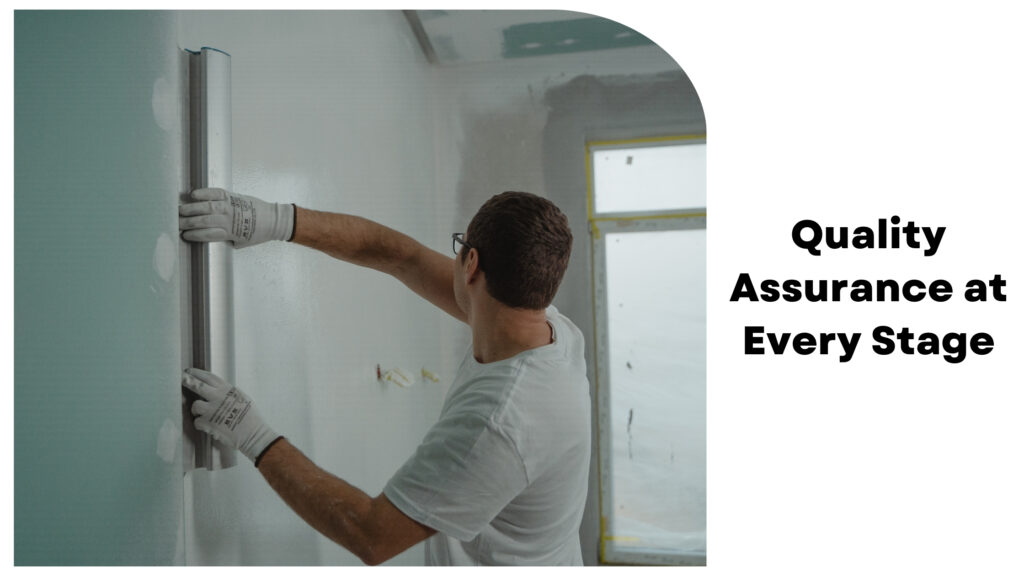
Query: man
(502, 477)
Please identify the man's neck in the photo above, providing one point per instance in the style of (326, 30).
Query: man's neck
(500, 332)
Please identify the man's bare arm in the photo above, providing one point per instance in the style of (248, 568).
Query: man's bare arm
(367, 243)
(371, 528)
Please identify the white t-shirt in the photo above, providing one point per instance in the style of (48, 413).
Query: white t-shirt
(502, 476)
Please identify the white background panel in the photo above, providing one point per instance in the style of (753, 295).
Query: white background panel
(846, 115)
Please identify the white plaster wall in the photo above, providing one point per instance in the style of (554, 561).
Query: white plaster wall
(333, 111)
(493, 114)
(339, 111)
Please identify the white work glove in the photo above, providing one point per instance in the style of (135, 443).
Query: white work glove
(227, 414)
(217, 215)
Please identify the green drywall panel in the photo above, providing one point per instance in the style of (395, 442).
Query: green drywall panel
(97, 170)
(563, 36)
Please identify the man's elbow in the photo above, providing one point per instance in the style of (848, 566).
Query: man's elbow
(364, 548)
(386, 532)
(371, 545)
(375, 553)
(370, 557)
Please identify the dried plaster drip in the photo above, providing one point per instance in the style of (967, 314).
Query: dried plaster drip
(404, 378)
(398, 376)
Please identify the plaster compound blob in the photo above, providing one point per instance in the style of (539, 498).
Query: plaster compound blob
(165, 104)
(167, 441)
(165, 257)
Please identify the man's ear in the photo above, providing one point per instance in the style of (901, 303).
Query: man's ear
(472, 266)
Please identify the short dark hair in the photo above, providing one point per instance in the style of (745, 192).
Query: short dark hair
(523, 243)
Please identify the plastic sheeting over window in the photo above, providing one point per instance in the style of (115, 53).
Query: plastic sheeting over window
(649, 245)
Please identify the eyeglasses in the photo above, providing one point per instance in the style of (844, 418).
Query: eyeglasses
(457, 240)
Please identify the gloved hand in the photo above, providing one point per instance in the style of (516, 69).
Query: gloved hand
(218, 215)
(227, 414)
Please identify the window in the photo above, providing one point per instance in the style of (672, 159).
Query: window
(648, 222)
(652, 178)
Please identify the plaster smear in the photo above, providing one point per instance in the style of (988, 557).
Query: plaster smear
(165, 104)
(167, 441)
(165, 257)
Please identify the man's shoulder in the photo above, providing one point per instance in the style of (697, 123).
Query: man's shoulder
(566, 331)
(554, 314)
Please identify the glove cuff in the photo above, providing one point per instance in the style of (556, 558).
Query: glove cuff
(294, 210)
(284, 222)
(256, 461)
(254, 446)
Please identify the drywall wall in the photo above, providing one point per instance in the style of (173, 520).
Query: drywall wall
(97, 435)
(339, 111)
(523, 125)
(332, 111)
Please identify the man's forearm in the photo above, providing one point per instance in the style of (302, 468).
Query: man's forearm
(354, 239)
(327, 503)
(367, 243)
(371, 528)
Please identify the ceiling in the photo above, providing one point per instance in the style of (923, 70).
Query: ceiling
(468, 36)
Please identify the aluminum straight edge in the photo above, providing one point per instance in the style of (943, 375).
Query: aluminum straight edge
(212, 303)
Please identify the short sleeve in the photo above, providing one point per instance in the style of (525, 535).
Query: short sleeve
(463, 474)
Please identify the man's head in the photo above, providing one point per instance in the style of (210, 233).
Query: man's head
(523, 243)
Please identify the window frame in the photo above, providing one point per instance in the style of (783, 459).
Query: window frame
(601, 224)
